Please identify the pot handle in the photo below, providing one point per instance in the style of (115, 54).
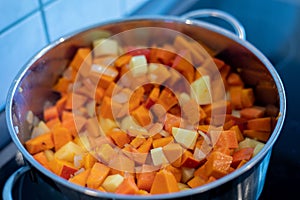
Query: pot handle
(9, 184)
(237, 26)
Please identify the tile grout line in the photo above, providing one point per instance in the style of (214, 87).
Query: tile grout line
(44, 21)
(13, 24)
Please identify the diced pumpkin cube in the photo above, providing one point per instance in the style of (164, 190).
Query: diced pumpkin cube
(161, 142)
(188, 160)
(128, 186)
(262, 136)
(98, 174)
(260, 124)
(61, 136)
(218, 164)
(241, 154)
(40, 143)
(142, 115)
(164, 182)
(81, 178)
(196, 182)
(173, 153)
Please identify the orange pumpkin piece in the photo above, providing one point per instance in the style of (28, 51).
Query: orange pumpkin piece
(253, 112)
(142, 115)
(164, 182)
(234, 79)
(62, 85)
(161, 142)
(89, 161)
(171, 121)
(196, 181)
(50, 113)
(119, 137)
(175, 171)
(227, 139)
(167, 99)
(137, 142)
(242, 154)
(173, 153)
(239, 135)
(145, 180)
(61, 136)
(247, 97)
(53, 122)
(217, 164)
(123, 60)
(262, 136)
(40, 143)
(42, 159)
(236, 97)
(145, 147)
(136, 98)
(97, 175)
(152, 98)
(82, 58)
(128, 186)
(188, 160)
(260, 124)
(81, 178)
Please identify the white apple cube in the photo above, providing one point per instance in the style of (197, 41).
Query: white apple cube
(257, 148)
(138, 65)
(186, 138)
(105, 47)
(187, 174)
(68, 151)
(201, 90)
(158, 156)
(112, 182)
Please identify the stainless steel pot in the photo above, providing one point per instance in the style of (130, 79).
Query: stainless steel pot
(32, 86)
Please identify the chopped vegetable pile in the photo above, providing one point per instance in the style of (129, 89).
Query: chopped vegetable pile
(141, 121)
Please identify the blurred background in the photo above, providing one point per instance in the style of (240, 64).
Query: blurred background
(273, 26)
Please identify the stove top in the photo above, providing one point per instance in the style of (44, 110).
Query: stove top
(276, 35)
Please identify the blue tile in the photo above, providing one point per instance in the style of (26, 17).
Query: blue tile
(18, 45)
(12, 10)
(64, 17)
(131, 5)
(47, 1)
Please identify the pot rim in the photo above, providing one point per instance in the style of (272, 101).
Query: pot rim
(250, 164)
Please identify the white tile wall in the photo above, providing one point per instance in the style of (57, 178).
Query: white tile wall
(28, 25)
(18, 44)
(12, 10)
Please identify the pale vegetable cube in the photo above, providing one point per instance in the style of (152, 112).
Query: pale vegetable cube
(112, 182)
(183, 186)
(105, 152)
(187, 174)
(40, 129)
(185, 137)
(201, 89)
(158, 156)
(138, 65)
(68, 151)
(105, 47)
(257, 148)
